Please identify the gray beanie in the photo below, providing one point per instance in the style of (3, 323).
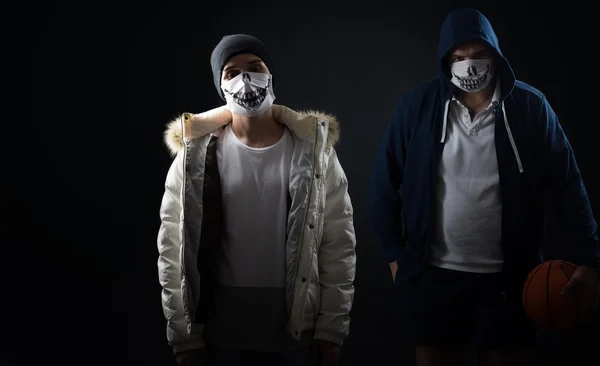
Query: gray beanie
(234, 45)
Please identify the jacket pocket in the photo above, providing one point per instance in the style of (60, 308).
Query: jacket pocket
(410, 263)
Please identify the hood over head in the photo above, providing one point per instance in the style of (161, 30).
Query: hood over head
(466, 25)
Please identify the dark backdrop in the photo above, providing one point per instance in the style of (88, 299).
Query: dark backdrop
(81, 210)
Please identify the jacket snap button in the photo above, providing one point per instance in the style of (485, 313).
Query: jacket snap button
(317, 176)
(311, 226)
(304, 279)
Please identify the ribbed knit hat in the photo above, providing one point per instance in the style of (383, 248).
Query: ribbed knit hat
(233, 45)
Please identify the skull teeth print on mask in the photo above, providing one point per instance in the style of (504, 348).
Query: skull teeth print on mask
(249, 93)
(471, 75)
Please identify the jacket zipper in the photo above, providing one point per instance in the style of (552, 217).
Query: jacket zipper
(182, 231)
(306, 213)
(438, 160)
(431, 228)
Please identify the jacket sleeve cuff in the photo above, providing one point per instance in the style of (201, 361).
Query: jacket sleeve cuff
(588, 253)
(188, 346)
(391, 252)
(330, 337)
(593, 262)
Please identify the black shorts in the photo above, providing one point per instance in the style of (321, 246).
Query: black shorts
(445, 307)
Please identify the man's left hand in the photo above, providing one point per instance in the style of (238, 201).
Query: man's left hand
(586, 280)
(325, 353)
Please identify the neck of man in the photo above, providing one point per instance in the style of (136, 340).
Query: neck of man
(478, 101)
(258, 131)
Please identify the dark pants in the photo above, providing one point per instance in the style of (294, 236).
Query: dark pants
(445, 307)
(218, 356)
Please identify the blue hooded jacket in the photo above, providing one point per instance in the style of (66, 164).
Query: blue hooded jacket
(534, 160)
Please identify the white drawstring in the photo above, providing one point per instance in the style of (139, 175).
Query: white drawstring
(512, 140)
(444, 125)
(510, 136)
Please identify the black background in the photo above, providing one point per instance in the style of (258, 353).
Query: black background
(81, 206)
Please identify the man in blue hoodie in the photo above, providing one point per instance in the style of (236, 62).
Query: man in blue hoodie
(457, 201)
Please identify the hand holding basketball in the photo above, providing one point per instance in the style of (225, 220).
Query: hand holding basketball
(586, 281)
(543, 297)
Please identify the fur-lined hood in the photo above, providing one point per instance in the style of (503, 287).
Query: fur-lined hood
(302, 124)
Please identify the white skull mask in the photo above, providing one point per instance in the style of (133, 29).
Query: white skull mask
(471, 75)
(249, 93)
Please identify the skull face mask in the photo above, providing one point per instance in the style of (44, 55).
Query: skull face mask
(471, 75)
(249, 93)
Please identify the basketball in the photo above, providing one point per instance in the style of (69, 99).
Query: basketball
(542, 299)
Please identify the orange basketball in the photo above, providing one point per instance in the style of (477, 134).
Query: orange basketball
(542, 299)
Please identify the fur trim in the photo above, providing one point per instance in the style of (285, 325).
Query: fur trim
(333, 134)
(302, 124)
(173, 137)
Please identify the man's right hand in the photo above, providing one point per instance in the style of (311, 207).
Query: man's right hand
(194, 357)
(394, 269)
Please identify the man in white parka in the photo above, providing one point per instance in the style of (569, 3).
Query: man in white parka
(257, 244)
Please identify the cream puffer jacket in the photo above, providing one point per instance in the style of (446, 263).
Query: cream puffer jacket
(320, 248)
